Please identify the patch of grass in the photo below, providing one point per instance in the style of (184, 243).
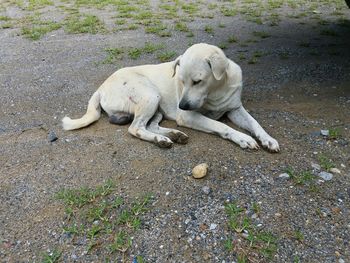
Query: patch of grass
(114, 54)
(221, 25)
(226, 11)
(122, 242)
(334, 133)
(180, 26)
(325, 162)
(258, 245)
(222, 45)
(84, 24)
(209, 29)
(51, 257)
(253, 60)
(190, 8)
(284, 55)
(104, 220)
(232, 39)
(5, 18)
(151, 48)
(36, 4)
(166, 56)
(261, 34)
(6, 25)
(37, 29)
(298, 235)
(301, 178)
(135, 53)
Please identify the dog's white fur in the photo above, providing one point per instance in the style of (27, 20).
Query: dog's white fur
(196, 90)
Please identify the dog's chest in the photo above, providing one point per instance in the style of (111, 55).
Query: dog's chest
(215, 115)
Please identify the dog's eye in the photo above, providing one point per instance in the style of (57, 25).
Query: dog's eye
(195, 82)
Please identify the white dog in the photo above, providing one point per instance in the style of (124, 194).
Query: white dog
(195, 90)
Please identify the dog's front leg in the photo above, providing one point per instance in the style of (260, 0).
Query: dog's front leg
(244, 120)
(197, 121)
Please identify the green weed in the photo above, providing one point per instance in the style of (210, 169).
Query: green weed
(84, 24)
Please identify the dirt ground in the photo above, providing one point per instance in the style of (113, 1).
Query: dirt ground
(296, 83)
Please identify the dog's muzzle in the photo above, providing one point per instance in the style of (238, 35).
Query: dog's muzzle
(184, 105)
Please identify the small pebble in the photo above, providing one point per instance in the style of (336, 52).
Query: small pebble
(206, 190)
(200, 171)
(52, 136)
(341, 260)
(316, 166)
(284, 176)
(335, 170)
(278, 214)
(325, 132)
(213, 226)
(325, 176)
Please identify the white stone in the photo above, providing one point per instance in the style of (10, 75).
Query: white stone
(325, 176)
(200, 170)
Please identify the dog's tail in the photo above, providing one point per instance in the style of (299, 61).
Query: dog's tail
(92, 114)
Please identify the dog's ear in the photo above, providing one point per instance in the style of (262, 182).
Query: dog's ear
(176, 63)
(218, 63)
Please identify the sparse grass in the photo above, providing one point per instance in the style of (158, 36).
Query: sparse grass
(222, 45)
(135, 53)
(232, 39)
(106, 220)
(166, 56)
(304, 178)
(5, 18)
(114, 54)
(334, 133)
(226, 11)
(253, 60)
(51, 257)
(84, 24)
(325, 162)
(257, 243)
(180, 26)
(36, 4)
(209, 29)
(38, 28)
(261, 34)
(298, 235)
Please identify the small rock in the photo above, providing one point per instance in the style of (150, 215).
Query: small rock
(213, 226)
(245, 235)
(52, 136)
(325, 132)
(254, 216)
(325, 176)
(206, 190)
(200, 171)
(316, 166)
(335, 170)
(341, 260)
(284, 176)
(278, 214)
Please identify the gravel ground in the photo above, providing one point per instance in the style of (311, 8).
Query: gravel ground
(297, 82)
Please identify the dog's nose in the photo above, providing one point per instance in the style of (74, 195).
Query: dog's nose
(184, 105)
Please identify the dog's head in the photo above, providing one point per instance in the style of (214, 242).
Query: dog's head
(200, 69)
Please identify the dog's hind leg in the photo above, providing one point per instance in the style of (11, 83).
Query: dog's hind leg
(143, 114)
(173, 134)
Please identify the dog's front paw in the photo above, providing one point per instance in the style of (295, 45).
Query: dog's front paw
(163, 142)
(248, 142)
(270, 143)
